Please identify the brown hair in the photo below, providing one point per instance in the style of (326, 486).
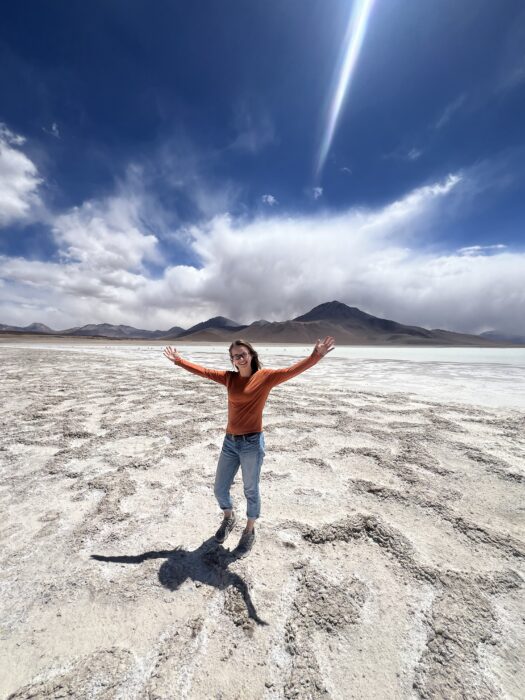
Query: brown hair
(256, 363)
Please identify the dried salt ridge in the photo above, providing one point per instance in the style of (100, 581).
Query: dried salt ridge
(389, 560)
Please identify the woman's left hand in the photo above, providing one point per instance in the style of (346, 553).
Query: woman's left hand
(324, 346)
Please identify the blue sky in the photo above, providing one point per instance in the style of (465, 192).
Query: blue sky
(159, 162)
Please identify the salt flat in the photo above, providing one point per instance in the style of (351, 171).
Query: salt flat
(389, 561)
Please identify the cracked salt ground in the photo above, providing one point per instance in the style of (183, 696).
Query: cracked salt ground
(439, 535)
(462, 618)
(381, 646)
(388, 563)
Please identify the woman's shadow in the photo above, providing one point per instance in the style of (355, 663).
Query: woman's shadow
(207, 564)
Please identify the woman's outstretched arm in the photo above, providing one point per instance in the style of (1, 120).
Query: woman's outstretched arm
(322, 347)
(217, 375)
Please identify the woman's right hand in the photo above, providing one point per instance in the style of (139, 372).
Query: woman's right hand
(171, 354)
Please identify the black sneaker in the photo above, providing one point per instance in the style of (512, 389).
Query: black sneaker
(225, 528)
(245, 544)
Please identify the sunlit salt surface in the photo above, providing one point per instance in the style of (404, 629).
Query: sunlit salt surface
(484, 376)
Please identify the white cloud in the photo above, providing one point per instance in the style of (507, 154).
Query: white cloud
(273, 267)
(105, 235)
(10, 137)
(19, 180)
(481, 249)
(414, 154)
(269, 199)
(317, 192)
(103, 248)
(345, 169)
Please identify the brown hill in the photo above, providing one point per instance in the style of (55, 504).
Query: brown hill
(348, 325)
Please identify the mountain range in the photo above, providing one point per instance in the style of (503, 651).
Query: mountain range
(349, 325)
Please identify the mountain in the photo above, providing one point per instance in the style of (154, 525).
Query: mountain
(32, 328)
(355, 320)
(217, 323)
(498, 336)
(96, 330)
(107, 330)
(172, 333)
(348, 324)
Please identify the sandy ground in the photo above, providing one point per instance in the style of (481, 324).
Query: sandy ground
(389, 561)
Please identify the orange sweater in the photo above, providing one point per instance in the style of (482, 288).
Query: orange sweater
(247, 395)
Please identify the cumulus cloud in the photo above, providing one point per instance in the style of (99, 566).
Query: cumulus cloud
(269, 199)
(272, 267)
(19, 179)
(104, 249)
(10, 137)
(105, 235)
(317, 192)
(280, 267)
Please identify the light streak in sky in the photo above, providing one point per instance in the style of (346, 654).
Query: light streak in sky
(353, 41)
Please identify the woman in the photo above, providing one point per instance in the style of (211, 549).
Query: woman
(248, 388)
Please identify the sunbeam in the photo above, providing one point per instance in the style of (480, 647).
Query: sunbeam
(353, 41)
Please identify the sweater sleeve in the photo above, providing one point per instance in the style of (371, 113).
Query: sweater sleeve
(216, 375)
(278, 376)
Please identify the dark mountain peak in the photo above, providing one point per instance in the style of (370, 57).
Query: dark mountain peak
(333, 311)
(215, 322)
(222, 322)
(352, 318)
(218, 322)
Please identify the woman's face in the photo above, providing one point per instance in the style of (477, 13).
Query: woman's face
(240, 356)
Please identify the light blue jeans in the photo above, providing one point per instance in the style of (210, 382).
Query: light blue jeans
(246, 452)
